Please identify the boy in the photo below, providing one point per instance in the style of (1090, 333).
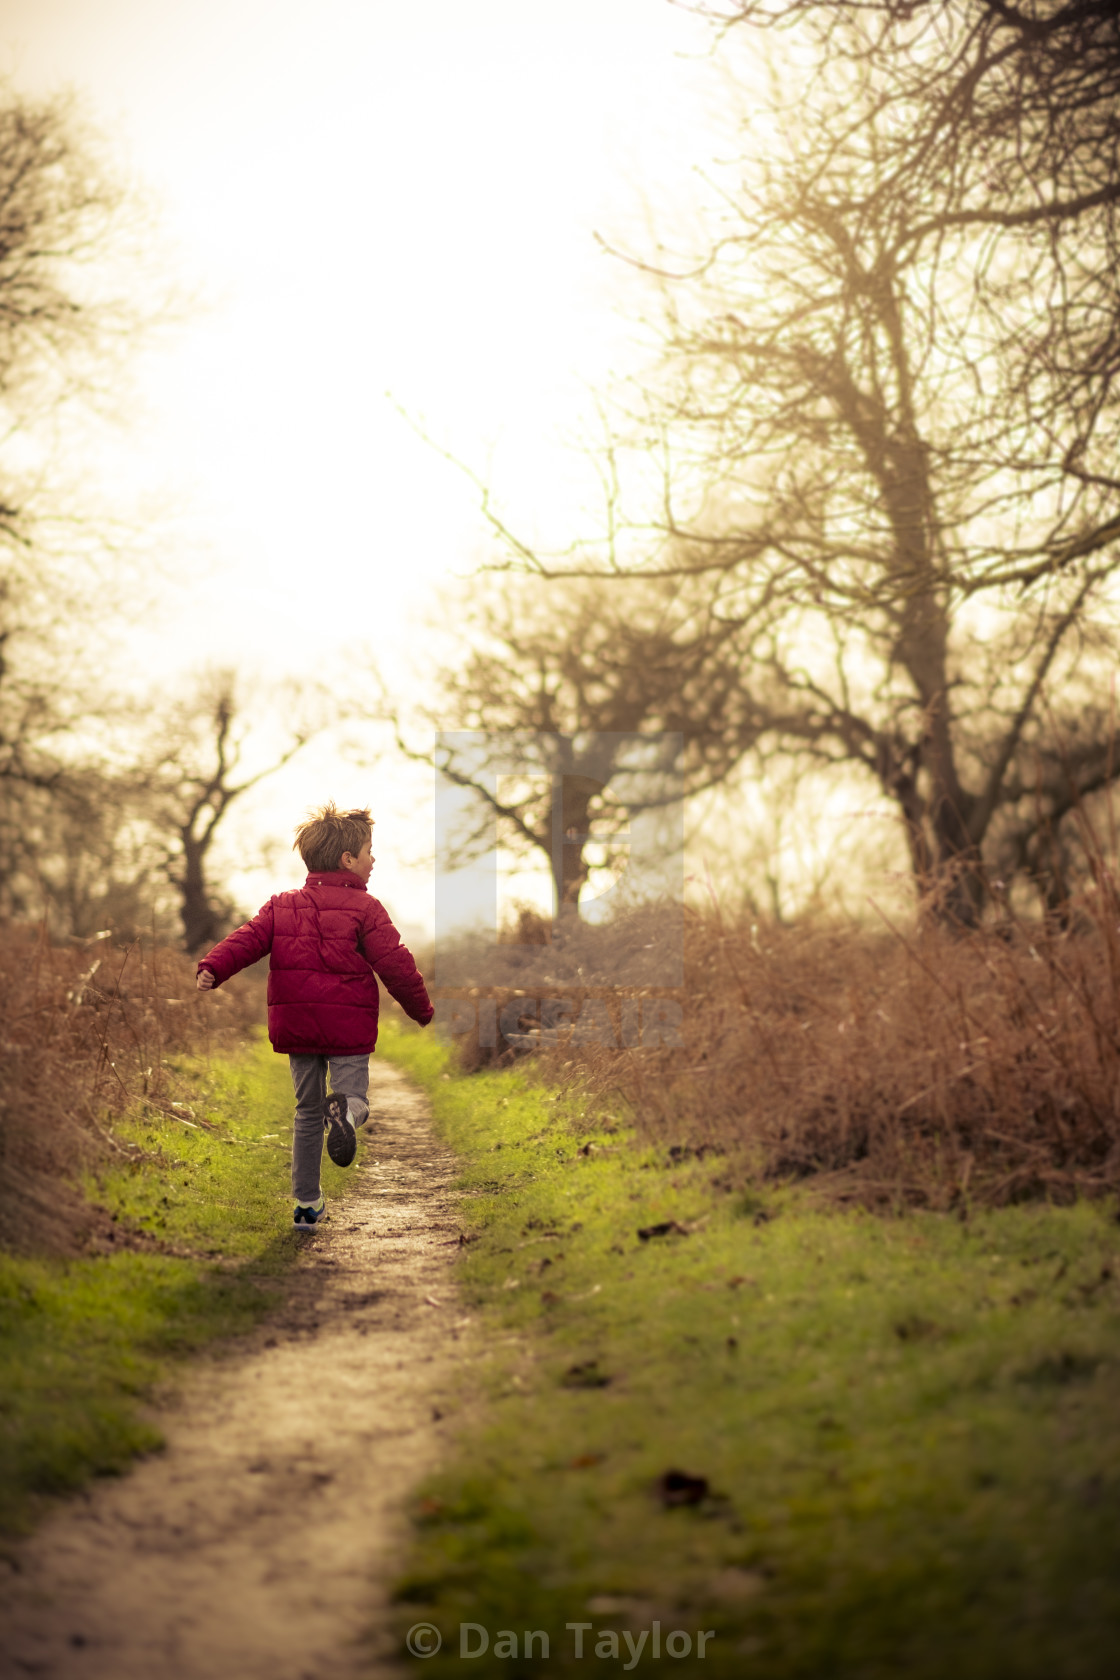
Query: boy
(328, 941)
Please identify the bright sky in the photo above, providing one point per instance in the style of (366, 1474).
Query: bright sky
(369, 196)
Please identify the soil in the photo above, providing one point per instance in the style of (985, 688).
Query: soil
(262, 1541)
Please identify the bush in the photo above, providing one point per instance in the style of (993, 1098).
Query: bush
(925, 1070)
(88, 1030)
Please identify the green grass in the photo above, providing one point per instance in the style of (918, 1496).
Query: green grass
(82, 1342)
(910, 1427)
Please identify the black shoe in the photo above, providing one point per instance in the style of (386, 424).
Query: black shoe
(306, 1215)
(342, 1139)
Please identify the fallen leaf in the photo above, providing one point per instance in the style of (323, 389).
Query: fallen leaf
(678, 1487)
(586, 1375)
(915, 1328)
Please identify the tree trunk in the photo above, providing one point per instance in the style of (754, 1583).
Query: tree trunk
(571, 800)
(944, 860)
(201, 922)
(953, 888)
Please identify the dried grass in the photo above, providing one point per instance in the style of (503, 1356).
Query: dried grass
(887, 1067)
(926, 1070)
(86, 1031)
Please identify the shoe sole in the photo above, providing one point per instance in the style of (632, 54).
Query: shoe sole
(342, 1139)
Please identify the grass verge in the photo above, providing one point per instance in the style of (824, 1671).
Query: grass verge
(83, 1341)
(908, 1429)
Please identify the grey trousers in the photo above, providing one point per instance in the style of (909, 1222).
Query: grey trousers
(350, 1078)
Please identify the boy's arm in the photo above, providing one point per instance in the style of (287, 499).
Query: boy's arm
(393, 963)
(245, 945)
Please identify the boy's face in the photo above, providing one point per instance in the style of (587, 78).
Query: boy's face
(362, 864)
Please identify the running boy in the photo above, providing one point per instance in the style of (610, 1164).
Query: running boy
(328, 940)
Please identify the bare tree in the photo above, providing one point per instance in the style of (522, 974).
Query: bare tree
(62, 218)
(887, 406)
(82, 855)
(126, 844)
(195, 770)
(617, 700)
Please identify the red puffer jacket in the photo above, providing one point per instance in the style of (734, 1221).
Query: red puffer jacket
(328, 939)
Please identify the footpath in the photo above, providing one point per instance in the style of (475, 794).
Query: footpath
(261, 1541)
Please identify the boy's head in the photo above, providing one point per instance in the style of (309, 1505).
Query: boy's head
(328, 835)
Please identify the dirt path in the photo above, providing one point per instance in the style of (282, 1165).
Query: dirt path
(260, 1543)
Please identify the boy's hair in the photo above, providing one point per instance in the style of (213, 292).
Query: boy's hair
(328, 832)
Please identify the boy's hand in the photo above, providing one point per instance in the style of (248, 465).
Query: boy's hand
(205, 980)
